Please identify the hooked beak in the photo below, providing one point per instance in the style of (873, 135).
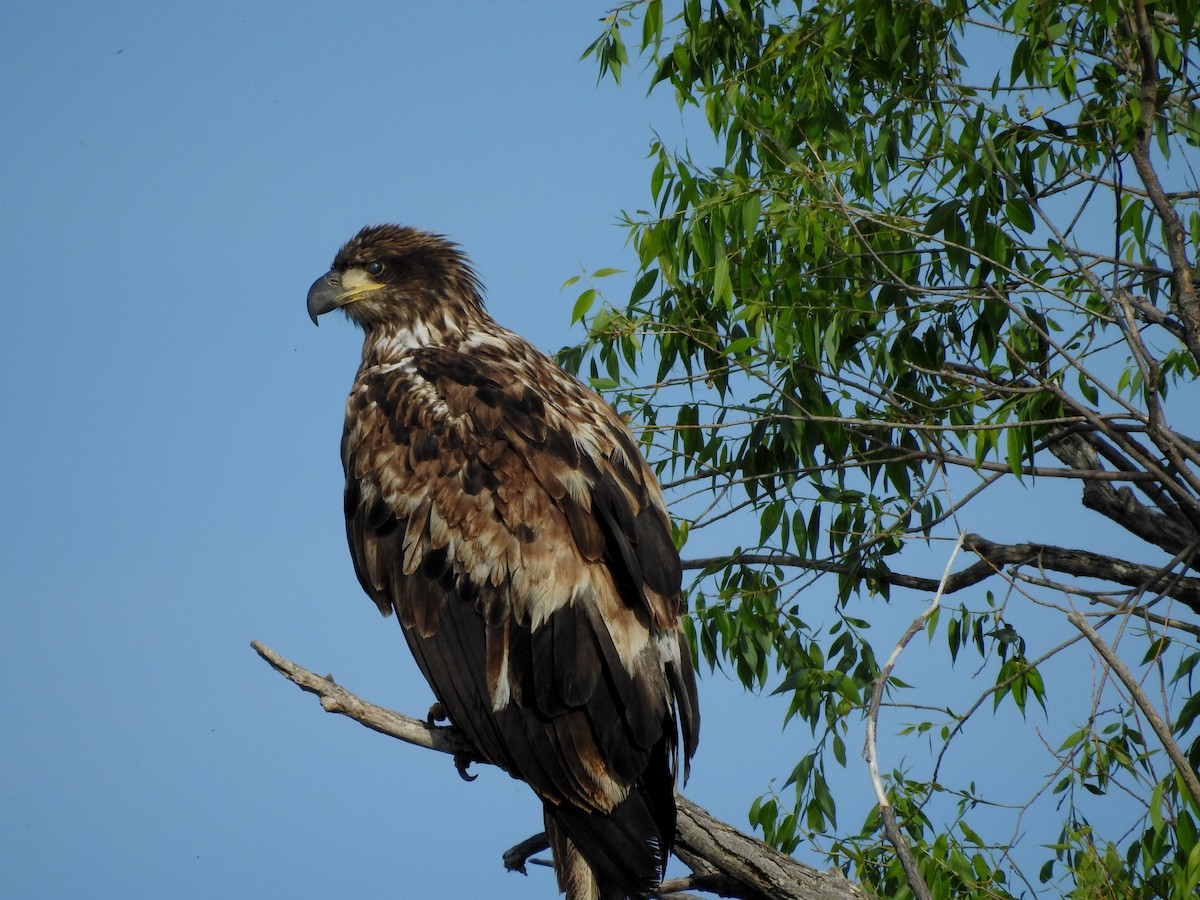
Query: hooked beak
(336, 289)
(325, 295)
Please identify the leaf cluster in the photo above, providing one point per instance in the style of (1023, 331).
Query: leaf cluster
(939, 252)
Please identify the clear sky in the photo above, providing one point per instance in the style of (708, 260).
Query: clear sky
(172, 178)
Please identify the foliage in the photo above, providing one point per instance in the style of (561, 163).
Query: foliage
(943, 261)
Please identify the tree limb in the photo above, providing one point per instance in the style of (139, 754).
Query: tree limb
(1171, 534)
(992, 557)
(726, 861)
(1174, 234)
(1085, 564)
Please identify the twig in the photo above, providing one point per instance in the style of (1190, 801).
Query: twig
(915, 881)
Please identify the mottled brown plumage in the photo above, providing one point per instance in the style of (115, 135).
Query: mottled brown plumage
(503, 511)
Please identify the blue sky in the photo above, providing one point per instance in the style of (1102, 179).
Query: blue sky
(173, 178)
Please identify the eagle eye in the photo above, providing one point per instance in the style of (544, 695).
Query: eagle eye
(374, 268)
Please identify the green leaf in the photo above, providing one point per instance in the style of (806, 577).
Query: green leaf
(1088, 390)
(940, 217)
(769, 520)
(583, 305)
(740, 346)
(1015, 442)
(1020, 214)
(722, 286)
(652, 23)
(751, 212)
(643, 286)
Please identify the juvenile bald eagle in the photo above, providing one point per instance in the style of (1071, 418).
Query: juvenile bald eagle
(503, 511)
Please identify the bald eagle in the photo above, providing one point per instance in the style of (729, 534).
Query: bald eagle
(503, 511)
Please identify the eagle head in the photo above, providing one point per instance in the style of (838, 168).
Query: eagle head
(399, 276)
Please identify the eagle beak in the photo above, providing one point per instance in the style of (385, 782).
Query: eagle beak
(325, 295)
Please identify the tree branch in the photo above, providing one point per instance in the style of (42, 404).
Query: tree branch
(1085, 564)
(336, 699)
(912, 874)
(1174, 235)
(726, 861)
(1186, 773)
(992, 557)
(1171, 534)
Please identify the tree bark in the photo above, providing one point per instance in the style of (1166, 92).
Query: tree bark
(724, 861)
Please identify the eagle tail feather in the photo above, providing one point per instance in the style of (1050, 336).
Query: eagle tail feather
(616, 855)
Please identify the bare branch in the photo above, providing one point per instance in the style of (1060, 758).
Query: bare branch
(912, 874)
(726, 861)
(336, 699)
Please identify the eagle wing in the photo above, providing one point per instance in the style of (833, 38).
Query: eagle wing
(504, 513)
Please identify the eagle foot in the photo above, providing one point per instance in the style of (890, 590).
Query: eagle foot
(437, 713)
(462, 762)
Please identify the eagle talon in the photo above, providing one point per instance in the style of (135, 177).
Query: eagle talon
(437, 713)
(462, 762)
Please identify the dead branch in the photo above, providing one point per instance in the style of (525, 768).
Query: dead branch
(725, 861)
